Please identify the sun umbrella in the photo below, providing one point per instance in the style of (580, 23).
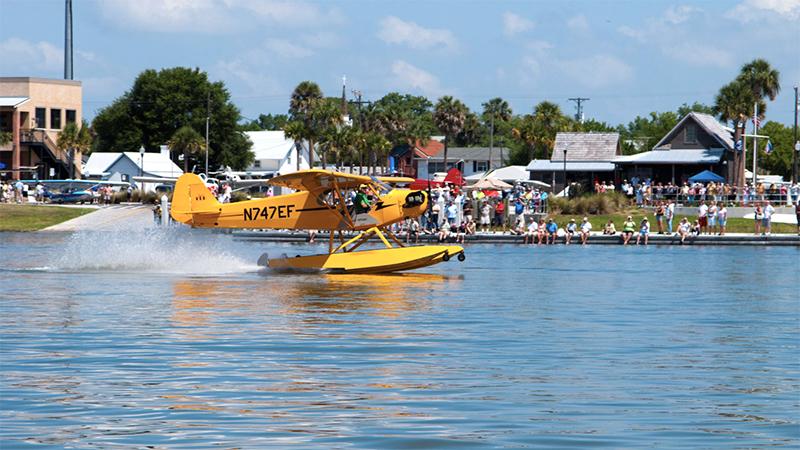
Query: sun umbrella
(491, 183)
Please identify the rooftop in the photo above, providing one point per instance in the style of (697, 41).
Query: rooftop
(586, 146)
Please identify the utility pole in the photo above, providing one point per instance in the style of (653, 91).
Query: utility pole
(208, 118)
(755, 144)
(359, 102)
(579, 107)
(68, 40)
(796, 142)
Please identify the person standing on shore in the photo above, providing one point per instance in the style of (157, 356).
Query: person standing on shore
(670, 213)
(702, 216)
(712, 218)
(758, 216)
(485, 211)
(660, 217)
(797, 214)
(768, 212)
(722, 219)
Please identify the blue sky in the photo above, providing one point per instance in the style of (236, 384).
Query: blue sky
(629, 57)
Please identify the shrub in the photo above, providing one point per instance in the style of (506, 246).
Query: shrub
(607, 203)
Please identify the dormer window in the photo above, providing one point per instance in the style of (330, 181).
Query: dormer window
(691, 135)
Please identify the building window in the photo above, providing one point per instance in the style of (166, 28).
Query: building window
(55, 119)
(481, 166)
(257, 164)
(70, 116)
(40, 118)
(691, 135)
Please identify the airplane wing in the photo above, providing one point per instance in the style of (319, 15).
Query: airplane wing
(155, 180)
(316, 179)
(89, 183)
(396, 180)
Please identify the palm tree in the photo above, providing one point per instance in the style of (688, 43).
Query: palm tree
(449, 115)
(761, 78)
(549, 120)
(735, 103)
(494, 110)
(305, 99)
(73, 139)
(296, 130)
(527, 133)
(187, 141)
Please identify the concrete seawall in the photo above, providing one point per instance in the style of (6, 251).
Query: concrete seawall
(595, 239)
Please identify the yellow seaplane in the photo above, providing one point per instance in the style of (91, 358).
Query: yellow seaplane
(319, 203)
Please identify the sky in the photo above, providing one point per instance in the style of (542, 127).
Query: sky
(628, 57)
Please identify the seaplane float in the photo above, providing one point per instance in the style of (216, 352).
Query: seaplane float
(319, 203)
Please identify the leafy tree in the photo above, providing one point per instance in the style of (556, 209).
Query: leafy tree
(592, 126)
(187, 141)
(497, 114)
(74, 139)
(643, 133)
(685, 109)
(449, 115)
(5, 137)
(403, 119)
(779, 162)
(268, 122)
(161, 102)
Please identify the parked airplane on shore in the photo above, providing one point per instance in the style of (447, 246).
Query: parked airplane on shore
(319, 203)
(72, 191)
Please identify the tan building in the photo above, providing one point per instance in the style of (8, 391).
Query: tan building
(34, 111)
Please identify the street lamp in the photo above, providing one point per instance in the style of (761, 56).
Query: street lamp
(141, 163)
(565, 169)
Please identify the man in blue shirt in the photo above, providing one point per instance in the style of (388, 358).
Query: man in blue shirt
(552, 229)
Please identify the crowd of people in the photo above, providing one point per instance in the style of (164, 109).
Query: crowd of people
(646, 192)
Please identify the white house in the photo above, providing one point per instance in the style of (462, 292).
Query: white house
(275, 154)
(123, 166)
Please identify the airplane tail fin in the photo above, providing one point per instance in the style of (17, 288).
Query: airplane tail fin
(191, 196)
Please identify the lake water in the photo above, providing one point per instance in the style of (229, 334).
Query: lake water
(176, 340)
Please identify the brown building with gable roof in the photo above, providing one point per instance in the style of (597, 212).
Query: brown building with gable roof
(34, 111)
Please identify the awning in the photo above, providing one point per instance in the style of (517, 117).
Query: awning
(675, 156)
(13, 101)
(547, 165)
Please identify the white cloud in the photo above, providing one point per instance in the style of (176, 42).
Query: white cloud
(243, 72)
(750, 10)
(288, 12)
(596, 71)
(407, 76)
(27, 56)
(213, 16)
(679, 14)
(396, 31)
(578, 23)
(286, 49)
(201, 16)
(514, 24)
(700, 55)
(632, 33)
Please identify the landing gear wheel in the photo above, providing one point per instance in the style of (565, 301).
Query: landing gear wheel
(446, 257)
(461, 257)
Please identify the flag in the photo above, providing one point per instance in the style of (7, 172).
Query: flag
(739, 145)
(756, 122)
(768, 148)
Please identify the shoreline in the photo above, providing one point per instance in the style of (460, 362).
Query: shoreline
(739, 239)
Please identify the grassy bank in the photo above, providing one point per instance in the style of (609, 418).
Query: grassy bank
(35, 217)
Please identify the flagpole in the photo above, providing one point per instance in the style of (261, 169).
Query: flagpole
(755, 145)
